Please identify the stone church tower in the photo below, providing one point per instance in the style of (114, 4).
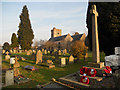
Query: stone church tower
(55, 32)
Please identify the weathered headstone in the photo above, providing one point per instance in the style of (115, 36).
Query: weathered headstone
(64, 51)
(45, 51)
(34, 51)
(16, 63)
(55, 50)
(11, 51)
(38, 57)
(48, 51)
(14, 51)
(3, 51)
(9, 77)
(7, 57)
(59, 52)
(49, 62)
(20, 51)
(95, 42)
(63, 62)
(42, 50)
(28, 53)
(71, 59)
(23, 59)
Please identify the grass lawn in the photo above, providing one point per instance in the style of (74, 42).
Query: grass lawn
(44, 74)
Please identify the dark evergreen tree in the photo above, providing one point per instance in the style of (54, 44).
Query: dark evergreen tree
(25, 32)
(108, 25)
(14, 41)
(6, 46)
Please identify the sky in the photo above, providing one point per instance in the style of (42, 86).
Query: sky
(68, 16)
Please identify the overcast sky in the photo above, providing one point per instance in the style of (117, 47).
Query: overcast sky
(68, 16)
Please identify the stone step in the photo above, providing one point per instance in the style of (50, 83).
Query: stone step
(100, 71)
(74, 83)
(92, 79)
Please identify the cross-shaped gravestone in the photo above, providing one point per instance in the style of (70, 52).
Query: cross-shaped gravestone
(95, 42)
(7, 52)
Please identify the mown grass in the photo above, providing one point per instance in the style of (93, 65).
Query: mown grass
(44, 74)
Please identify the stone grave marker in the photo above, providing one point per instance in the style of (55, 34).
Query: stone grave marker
(11, 51)
(63, 62)
(55, 50)
(28, 53)
(38, 57)
(71, 59)
(64, 51)
(45, 51)
(50, 64)
(14, 51)
(48, 51)
(3, 51)
(59, 52)
(42, 50)
(16, 63)
(34, 51)
(9, 77)
(7, 57)
(95, 43)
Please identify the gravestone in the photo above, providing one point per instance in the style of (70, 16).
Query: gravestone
(95, 43)
(59, 52)
(71, 59)
(23, 59)
(50, 64)
(55, 50)
(64, 51)
(20, 51)
(48, 51)
(16, 63)
(28, 53)
(63, 62)
(14, 51)
(7, 57)
(38, 57)
(11, 51)
(3, 51)
(34, 51)
(16, 68)
(42, 50)
(9, 77)
(45, 51)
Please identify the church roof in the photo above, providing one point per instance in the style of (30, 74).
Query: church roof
(75, 37)
(57, 38)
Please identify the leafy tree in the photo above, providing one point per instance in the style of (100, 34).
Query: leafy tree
(78, 49)
(6, 46)
(25, 32)
(14, 41)
(108, 25)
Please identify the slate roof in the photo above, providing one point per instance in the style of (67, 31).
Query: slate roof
(57, 38)
(75, 37)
